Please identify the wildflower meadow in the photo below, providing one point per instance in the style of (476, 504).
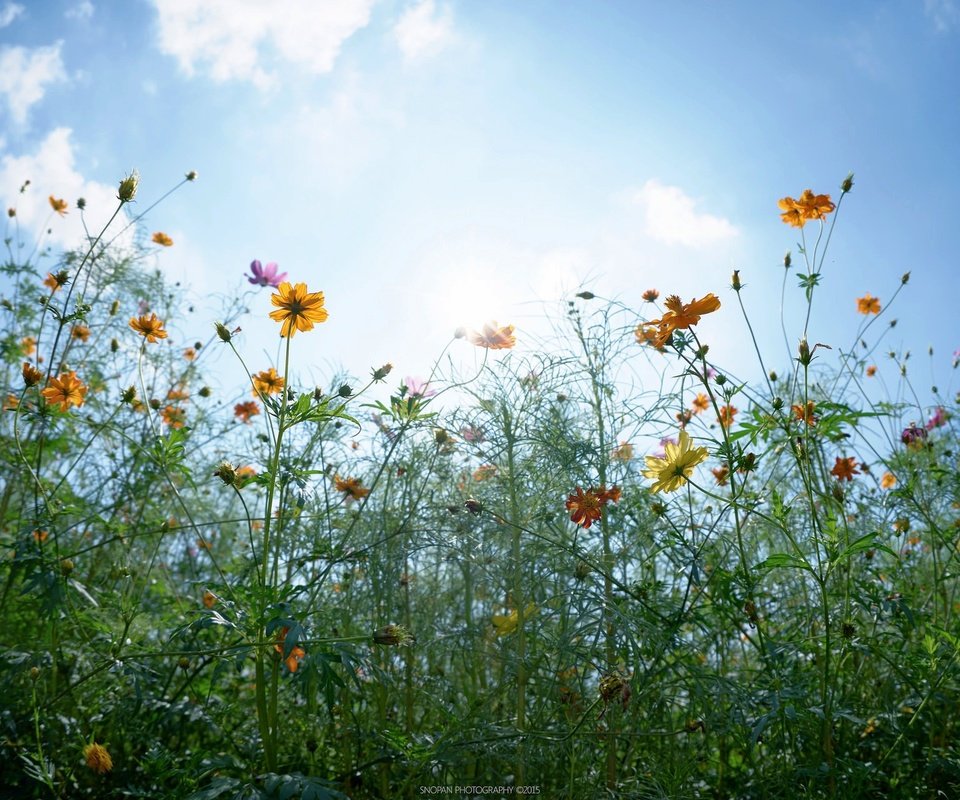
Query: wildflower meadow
(598, 565)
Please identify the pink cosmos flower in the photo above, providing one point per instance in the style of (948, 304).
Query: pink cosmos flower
(417, 387)
(939, 418)
(265, 276)
(662, 452)
(471, 433)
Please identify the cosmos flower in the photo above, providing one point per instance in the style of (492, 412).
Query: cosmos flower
(174, 416)
(265, 276)
(938, 419)
(700, 403)
(296, 653)
(297, 308)
(351, 487)
(161, 239)
(727, 413)
(59, 205)
(31, 375)
(149, 326)
(586, 507)
(650, 295)
(888, 481)
(871, 371)
(804, 413)
(97, 758)
(868, 304)
(65, 391)
(267, 382)
(679, 315)
(493, 337)
(505, 624)
(672, 471)
(810, 206)
(417, 387)
(844, 469)
(244, 411)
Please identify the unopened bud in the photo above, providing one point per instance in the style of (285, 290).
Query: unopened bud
(905, 279)
(114, 345)
(586, 295)
(473, 506)
(847, 184)
(114, 308)
(803, 350)
(345, 390)
(183, 663)
(128, 187)
(381, 372)
(394, 635)
(773, 376)
(223, 332)
(440, 436)
(205, 391)
(129, 394)
(66, 566)
(191, 175)
(735, 281)
(226, 472)
(787, 260)
(81, 203)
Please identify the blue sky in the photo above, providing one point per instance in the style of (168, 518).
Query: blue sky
(431, 163)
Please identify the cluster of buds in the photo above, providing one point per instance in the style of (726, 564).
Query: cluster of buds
(393, 635)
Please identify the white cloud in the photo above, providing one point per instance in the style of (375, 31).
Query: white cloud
(670, 216)
(243, 39)
(82, 10)
(10, 12)
(51, 170)
(424, 30)
(24, 74)
(944, 13)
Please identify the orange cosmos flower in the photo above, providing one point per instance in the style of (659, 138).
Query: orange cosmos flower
(97, 758)
(809, 206)
(700, 403)
(871, 371)
(493, 337)
(804, 413)
(351, 487)
(484, 472)
(40, 536)
(59, 205)
(161, 239)
(80, 332)
(149, 326)
(189, 354)
(28, 345)
(888, 481)
(244, 411)
(267, 382)
(31, 375)
(845, 469)
(868, 304)
(178, 393)
(65, 391)
(647, 334)
(681, 315)
(720, 475)
(174, 416)
(296, 653)
(586, 507)
(297, 308)
(727, 413)
(650, 295)
(52, 282)
(12, 403)
(209, 599)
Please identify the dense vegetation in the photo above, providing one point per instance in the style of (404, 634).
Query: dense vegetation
(379, 588)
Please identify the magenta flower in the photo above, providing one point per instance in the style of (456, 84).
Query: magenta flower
(913, 436)
(471, 433)
(417, 387)
(939, 418)
(265, 276)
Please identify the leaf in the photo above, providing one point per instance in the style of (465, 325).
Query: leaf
(784, 560)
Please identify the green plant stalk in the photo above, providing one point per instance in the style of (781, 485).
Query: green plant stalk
(518, 593)
(267, 716)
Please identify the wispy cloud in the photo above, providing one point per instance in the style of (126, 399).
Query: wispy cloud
(81, 11)
(51, 170)
(671, 216)
(424, 30)
(9, 13)
(247, 39)
(944, 13)
(24, 75)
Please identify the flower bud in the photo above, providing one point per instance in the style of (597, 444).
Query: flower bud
(804, 356)
(223, 332)
(66, 566)
(226, 472)
(183, 663)
(191, 175)
(128, 187)
(787, 260)
(905, 279)
(847, 184)
(586, 295)
(114, 345)
(114, 308)
(345, 390)
(81, 203)
(129, 395)
(773, 376)
(205, 391)
(380, 373)
(735, 280)
(394, 636)
(11, 212)
(473, 506)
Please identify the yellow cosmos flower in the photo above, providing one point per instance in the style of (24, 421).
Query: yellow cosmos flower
(678, 315)
(297, 308)
(59, 205)
(98, 759)
(868, 304)
(809, 206)
(671, 472)
(267, 382)
(65, 391)
(888, 481)
(162, 239)
(505, 624)
(149, 326)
